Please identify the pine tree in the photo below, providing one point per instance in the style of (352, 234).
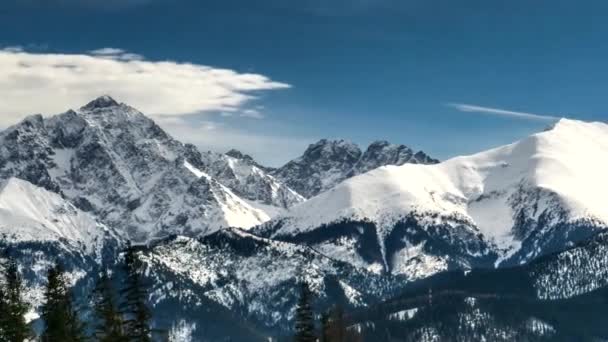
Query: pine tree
(12, 320)
(338, 327)
(135, 312)
(60, 318)
(305, 325)
(3, 314)
(109, 326)
(325, 328)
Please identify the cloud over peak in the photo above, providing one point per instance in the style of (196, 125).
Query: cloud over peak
(51, 83)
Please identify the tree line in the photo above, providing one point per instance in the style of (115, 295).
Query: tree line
(333, 326)
(119, 315)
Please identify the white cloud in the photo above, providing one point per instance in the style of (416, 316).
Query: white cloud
(52, 83)
(501, 112)
(13, 48)
(117, 54)
(107, 51)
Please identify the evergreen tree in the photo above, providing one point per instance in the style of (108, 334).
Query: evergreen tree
(12, 321)
(305, 325)
(338, 327)
(325, 327)
(135, 312)
(109, 323)
(335, 329)
(60, 318)
(3, 314)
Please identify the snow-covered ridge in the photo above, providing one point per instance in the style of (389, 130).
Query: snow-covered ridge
(249, 180)
(39, 227)
(553, 177)
(328, 162)
(30, 213)
(115, 163)
(256, 276)
(236, 211)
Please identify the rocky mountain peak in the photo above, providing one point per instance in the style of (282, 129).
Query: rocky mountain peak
(378, 144)
(121, 166)
(33, 120)
(423, 158)
(326, 148)
(381, 152)
(103, 101)
(328, 162)
(234, 153)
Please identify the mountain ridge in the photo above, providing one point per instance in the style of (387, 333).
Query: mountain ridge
(514, 196)
(326, 163)
(223, 230)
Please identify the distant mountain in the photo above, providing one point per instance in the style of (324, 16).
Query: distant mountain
(111, 160)
(504, 206)
(328, 162)
(249, 180)
(225, 240)
(76, 186)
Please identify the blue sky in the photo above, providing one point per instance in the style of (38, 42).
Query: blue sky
(360, 70)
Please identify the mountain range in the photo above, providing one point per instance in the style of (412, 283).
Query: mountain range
(225, 240)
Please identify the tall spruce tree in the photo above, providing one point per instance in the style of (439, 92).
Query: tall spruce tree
(108, 326)
(325, 327)
(338, 326)
(2, 313)
(136, 314)
(60, 318)
(12, 306)
(305, 324)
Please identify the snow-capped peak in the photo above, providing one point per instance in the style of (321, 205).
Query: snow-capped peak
(514, 194)
(103, 101)
(113, 161)
(328, 162)
(234, 153)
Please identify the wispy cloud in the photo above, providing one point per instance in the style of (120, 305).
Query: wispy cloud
(61, 81)
(117, 54)
(501, 112)
(252, 113)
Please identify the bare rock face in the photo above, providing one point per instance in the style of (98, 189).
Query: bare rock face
(113, 161)
(329, 162)
(249, 180)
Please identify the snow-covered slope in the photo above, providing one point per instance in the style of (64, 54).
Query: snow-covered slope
(249, 180)
(329, 162)
(111, 160)
(522, 200)
(39, 227)
(257, 278)
(31, 213)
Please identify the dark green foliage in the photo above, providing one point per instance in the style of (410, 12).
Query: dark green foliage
(60, 318)
(325, 327)
(335, 327)
(305, 324)
(3, 316)
(108, 319)
(136, 314)
(12, 307)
